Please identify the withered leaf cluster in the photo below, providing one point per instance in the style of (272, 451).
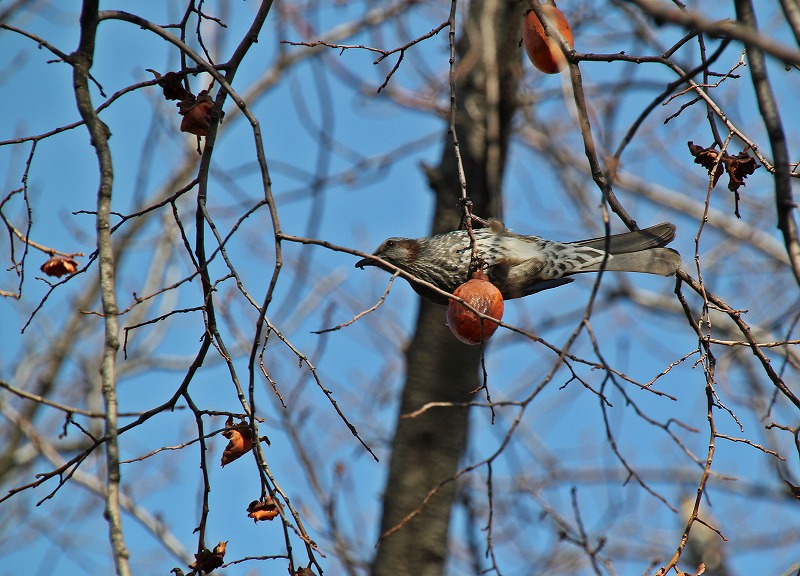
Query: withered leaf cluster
(196, 110)
(738, 167)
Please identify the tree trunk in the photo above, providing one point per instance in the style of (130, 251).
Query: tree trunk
(427, 449)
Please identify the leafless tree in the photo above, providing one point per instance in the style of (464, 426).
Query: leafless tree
(187, 186)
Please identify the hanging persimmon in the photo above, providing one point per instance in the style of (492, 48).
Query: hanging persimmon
(545, 52)
(484, 297)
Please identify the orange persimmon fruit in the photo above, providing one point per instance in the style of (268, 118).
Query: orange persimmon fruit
(545, 52)
(485, 297)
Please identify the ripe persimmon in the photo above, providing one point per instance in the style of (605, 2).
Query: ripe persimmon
(485, 297)
(545, 52)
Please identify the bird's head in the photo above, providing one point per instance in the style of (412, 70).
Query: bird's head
(398, 251)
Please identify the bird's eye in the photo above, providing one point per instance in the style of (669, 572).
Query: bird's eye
(390, 243)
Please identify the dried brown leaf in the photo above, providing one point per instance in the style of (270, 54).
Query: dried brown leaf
(738, 168)
(707, 158)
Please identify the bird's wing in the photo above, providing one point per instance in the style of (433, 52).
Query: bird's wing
(539, 286)
(523, 274)
(656, 236)
(519, 277)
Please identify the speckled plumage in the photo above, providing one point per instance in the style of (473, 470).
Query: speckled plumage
(521, 265)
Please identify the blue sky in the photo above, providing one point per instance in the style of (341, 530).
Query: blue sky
(563, 434)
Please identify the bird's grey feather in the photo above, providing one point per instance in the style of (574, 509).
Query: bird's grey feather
(656, 236)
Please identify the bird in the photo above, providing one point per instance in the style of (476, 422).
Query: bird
(520, 265)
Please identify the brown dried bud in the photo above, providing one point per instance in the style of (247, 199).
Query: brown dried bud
(196, 114)
(265, 509)
(59, 265)
(170, 84)
(206, 561)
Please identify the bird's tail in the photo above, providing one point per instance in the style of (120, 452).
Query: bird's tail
(638, 251)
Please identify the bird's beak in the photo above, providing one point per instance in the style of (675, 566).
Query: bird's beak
(365, 262)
